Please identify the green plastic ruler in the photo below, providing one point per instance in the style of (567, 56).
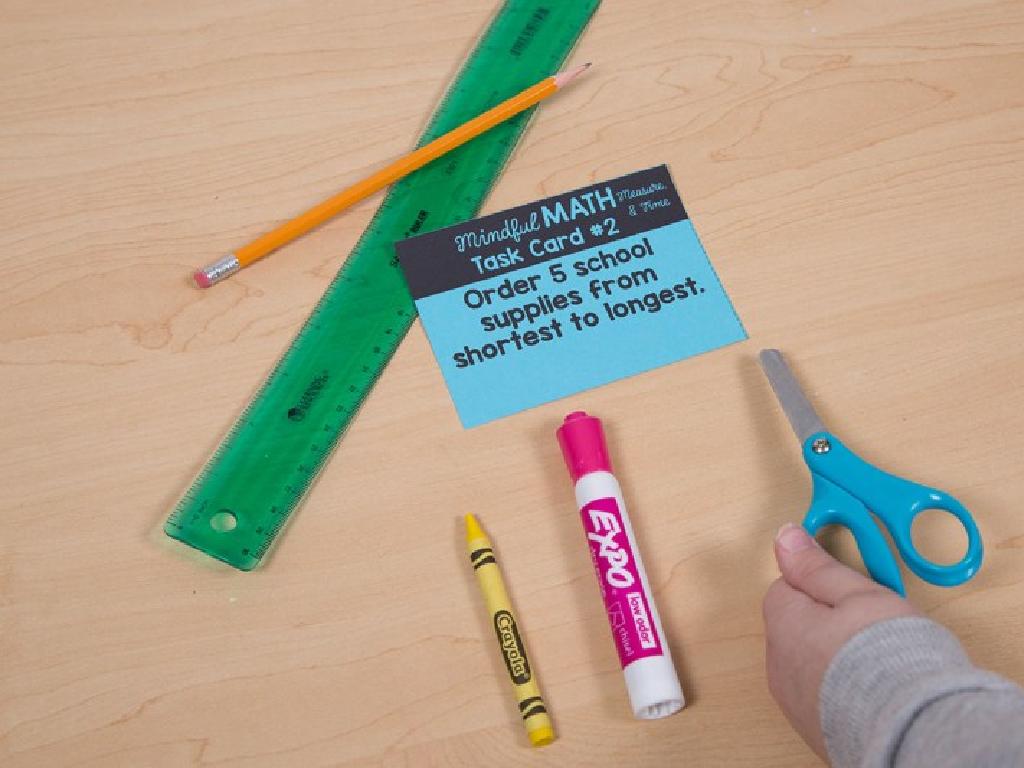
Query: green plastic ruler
(270, 457)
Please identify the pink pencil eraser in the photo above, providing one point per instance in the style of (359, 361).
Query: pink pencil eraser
(583, 445)
(201, 279)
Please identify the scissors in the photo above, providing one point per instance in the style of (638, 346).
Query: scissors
(847, 491)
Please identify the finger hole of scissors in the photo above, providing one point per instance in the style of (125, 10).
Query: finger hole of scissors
(939, 536)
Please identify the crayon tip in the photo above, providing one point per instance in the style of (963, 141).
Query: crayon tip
(473, 529)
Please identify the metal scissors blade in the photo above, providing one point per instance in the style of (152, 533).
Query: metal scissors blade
(794, 402)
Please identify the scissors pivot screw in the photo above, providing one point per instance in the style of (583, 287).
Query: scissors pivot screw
(821, 445)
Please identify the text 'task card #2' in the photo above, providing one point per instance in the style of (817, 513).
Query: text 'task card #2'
(544, 300)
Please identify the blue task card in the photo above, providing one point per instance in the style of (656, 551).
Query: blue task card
(547, 299)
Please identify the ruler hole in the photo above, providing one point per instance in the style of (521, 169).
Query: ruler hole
(224, 521)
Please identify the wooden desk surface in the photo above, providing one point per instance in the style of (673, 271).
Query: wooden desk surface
(855, 171)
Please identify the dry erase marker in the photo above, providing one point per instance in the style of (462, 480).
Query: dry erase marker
(651, 678)
(510, 637)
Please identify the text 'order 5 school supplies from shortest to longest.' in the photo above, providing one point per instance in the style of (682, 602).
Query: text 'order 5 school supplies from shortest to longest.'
(328, 209)
(587, 286)
(261, 470)
(651, 678)
(847, 491)
(521, 673)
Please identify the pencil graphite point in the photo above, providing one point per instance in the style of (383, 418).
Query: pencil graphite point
(566, 76)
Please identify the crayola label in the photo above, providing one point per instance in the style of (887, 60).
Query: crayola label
(629, 612)
(512, 647)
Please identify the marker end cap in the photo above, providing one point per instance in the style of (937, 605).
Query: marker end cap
(583, 445)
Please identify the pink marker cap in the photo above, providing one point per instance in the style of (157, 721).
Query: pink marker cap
(583, 447)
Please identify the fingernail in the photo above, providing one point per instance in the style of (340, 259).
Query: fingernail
(793, 538)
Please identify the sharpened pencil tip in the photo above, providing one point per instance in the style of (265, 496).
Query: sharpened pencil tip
(566, 76)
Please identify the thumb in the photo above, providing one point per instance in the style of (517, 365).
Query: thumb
(810, 569)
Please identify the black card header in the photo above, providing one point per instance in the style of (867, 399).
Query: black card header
(552, 228)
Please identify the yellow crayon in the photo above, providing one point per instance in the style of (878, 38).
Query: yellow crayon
(510, 640)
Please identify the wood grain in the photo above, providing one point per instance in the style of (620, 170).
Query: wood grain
(855, 171)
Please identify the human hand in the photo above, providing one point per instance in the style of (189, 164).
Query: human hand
(809, 614)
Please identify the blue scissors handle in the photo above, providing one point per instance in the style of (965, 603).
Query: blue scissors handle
(846, 488)
(831, 505)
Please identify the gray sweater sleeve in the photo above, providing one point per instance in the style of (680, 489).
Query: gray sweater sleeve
(903, 694)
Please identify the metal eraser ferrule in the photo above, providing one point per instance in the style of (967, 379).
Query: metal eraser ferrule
(220, 269)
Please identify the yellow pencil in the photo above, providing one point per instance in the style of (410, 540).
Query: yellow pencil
(318, 214)
(510, 639)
